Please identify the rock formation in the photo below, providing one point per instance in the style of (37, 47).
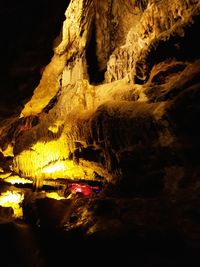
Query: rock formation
(116, 103)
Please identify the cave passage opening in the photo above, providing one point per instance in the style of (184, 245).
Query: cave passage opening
(96, 75)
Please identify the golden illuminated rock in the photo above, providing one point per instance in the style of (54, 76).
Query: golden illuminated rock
(101, 137)
(110, 90)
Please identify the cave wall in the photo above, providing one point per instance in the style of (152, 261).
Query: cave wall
(65, 86)
(132, 125)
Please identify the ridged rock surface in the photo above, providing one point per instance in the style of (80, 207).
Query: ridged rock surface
(118, 103)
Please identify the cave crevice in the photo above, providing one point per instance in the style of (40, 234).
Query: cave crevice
(96, 75)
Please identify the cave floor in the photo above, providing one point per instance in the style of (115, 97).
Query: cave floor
(42, 238)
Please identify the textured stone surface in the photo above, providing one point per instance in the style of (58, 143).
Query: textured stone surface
(118, 102)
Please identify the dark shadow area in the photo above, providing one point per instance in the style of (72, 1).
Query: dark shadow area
(28, 29)
(96, 76)
(58, 247)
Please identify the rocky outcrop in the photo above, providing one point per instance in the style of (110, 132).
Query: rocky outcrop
(156, 36)
(129, 121)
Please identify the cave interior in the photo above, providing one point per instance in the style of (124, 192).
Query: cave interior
(99, 137)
